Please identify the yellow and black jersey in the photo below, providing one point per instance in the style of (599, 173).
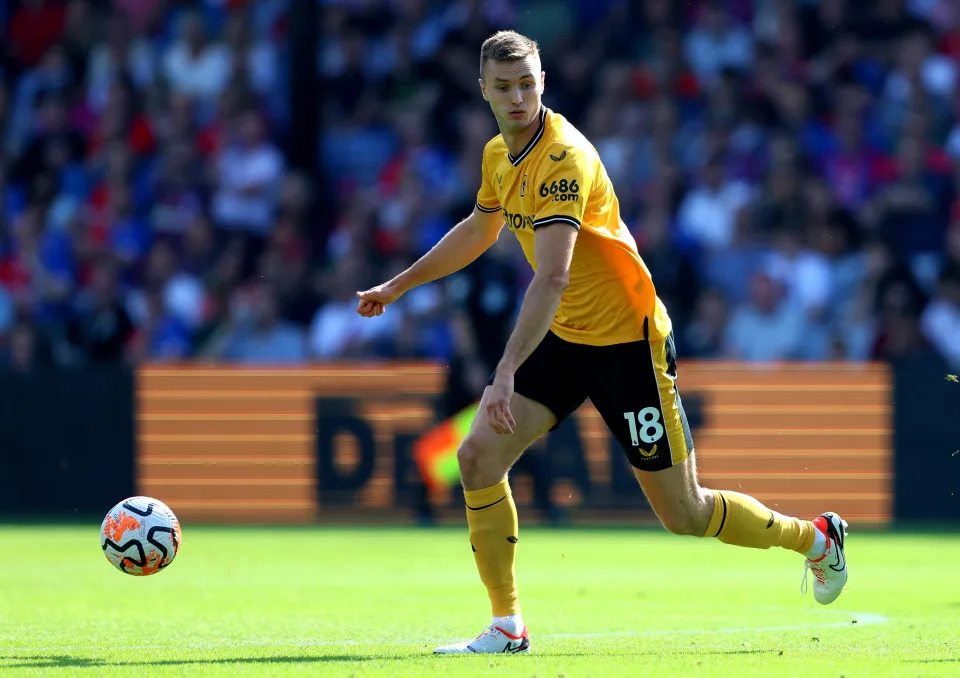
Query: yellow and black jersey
(559, 179)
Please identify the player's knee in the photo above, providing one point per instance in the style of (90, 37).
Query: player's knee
(468, 457)
(480, 465)
(680, 524)
(684, 517)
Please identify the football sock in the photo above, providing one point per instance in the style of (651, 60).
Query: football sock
(492, 519)
(743, 521)
(819, 545)
(512, 624)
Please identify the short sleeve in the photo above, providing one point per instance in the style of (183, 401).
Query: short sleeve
(562, 187)
(487, 199)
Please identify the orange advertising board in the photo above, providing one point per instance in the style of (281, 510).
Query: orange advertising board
(223, 444)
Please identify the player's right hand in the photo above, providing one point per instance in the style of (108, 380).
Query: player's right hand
(497, 397)
(373, 301)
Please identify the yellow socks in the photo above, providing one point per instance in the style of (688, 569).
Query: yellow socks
(492, 518)
(743, 521)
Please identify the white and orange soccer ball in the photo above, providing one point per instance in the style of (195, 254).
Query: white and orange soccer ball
(140, 536)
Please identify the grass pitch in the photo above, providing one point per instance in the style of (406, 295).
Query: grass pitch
(374, 602)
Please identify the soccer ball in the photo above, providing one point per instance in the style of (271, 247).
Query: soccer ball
(140, 536)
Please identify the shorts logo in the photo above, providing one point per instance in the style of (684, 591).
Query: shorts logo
(556, 159)
(645, 453)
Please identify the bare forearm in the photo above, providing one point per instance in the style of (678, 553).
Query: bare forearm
(459, 247)
(537, 311)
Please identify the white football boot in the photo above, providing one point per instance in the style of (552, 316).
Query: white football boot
(493, 640)
(830, 569)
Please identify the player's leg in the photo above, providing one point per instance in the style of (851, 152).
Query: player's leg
(686, 507)
(485, 457)
(657, 440)
(546, 390)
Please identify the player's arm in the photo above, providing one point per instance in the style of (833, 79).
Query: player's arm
(461, 245)
(561, 197)
(553, 252)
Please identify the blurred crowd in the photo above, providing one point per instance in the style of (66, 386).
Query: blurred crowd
(142, 183)
(789, 168)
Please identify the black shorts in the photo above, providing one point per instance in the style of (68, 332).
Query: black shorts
(632, 385)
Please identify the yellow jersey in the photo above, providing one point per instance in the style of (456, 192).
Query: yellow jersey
(558, 178)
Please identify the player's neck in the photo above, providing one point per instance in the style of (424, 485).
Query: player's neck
(518, 141)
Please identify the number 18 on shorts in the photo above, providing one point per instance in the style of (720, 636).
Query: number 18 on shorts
(644, 426)
(640, 404)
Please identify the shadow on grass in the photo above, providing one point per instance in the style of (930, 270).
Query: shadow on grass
(63, 660)
(952, 660)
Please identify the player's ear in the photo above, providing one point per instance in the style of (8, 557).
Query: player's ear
(483, 90)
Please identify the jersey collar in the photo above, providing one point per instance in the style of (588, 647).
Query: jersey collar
(533, 142)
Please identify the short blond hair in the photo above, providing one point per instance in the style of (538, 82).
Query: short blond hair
(507, 46)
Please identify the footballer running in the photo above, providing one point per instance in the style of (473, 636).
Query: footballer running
(590, 326)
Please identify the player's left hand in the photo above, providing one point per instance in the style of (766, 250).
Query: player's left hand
(497, 398)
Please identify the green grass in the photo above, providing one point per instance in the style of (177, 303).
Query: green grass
(373, 602)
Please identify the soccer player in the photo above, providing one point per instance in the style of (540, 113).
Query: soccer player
(590, 326)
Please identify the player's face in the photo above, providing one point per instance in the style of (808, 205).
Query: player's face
(513, 89)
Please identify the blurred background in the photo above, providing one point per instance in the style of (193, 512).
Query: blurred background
(207, 183)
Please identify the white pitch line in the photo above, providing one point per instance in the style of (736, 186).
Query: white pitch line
(863, 619)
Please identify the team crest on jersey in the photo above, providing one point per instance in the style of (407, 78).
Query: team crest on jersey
(523, 186)
(558, 159)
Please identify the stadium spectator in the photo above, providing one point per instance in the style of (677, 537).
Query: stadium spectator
(122, 53)
(941, 319)
(193, 64)
(804, 275)
(22, 351)
(249, 171)
(769, 327)
(952, 249)
(160, 336)
(489, 295)
(7, 312)
(899, 307)
(52, 144)
(101, 327)
(716, 43)
(911, 209)
(708, 213)
(336, 330)
(176, 189)
(678, 282)
(251, 60)
(703, 336)
(260, 336)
